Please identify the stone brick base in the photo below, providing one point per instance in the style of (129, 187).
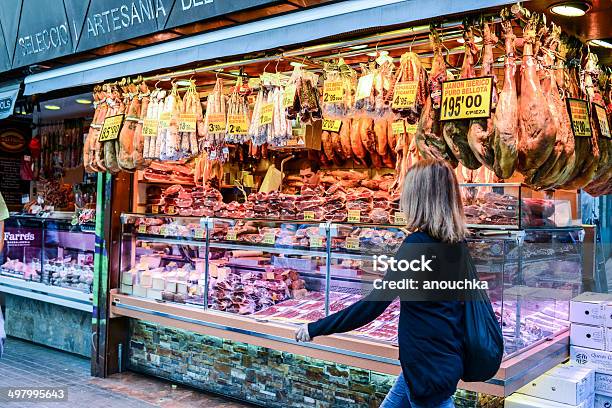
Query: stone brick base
(260, 375)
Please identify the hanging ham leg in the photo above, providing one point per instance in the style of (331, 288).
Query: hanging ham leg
(359, 151)
(536, 124)
(456, 131)
(345, 139)
(429, 138)
(482, 132)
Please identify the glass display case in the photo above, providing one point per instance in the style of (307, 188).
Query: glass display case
(300, 271)
(51, 251)
(515, 206)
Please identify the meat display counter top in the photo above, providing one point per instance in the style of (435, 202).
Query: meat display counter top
(254, 280)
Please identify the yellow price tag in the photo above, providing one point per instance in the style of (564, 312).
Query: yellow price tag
(354, 216)
(237, 125)
(333, 91)
(164, 121)
(163, 230)
(171, 209)
(364, 86)
(332, 125)
(198, 233)
(411, 128)
(289, 96)
(404, 94)
(216, 123)
(142, 229)
(309, 215)
(602, 120)
(269, 238)
(267, 111)
(155, 209)
(231, 235)
(466, 98)
(398, 127)
(400, 217)
(316, 241)
(579, 115)
(149, 127)
(111, 128)
(187, 123)
(351, 243)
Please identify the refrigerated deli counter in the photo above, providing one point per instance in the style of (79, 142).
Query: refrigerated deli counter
(46, 278)
(252, 280)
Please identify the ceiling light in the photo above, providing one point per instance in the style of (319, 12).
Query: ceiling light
(359, 47)
(570, 8)
(296, 64)
(52, 107)
(600, 43)
(477, 40)
(83, 101)
(183, 82)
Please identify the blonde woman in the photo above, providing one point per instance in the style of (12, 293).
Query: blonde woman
(430, 332)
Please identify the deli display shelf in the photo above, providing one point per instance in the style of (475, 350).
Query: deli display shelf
(58, 295)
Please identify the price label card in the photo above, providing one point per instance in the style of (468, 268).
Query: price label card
(289, 96)
(354, 216)
(269, 238)
(164, 120)
(142, 229)
(411, 128)
(267, 111)
(155, 209)
(602, 120)
(466, 98)
(163, 230)
(400, 217)
(237, 125)
(149, 127)
(579, 115)
(231, 235)
(171, 209)
(364, 86)
(198, 233)
(352, 243)
(316, 241)
(333, 91)
(216, 123)
(398, 127)
(404, 94)
(332, 125)
(111, 128)
(187, 123)
(309, 215)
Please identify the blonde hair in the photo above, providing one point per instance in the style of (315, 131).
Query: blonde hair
(432, 202)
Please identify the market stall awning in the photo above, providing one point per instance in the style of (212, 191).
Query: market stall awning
(8, 95)
(271, 33)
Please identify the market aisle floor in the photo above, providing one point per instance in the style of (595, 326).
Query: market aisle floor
(29, 365)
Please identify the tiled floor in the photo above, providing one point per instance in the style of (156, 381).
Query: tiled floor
(28, 365)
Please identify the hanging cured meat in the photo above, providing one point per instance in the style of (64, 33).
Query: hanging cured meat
(410, 69)
(506, 113)
(558, 167)
(481, 132)
(213, 140)
(359, 151)
(429, 138)
(238, 107)
(536, 124)
(368, 135)
(347, 77)
(345, 139)
(89, 153)
(132, 104)
(456, 131)
(111, 147)
(380, 131)
(137, 156)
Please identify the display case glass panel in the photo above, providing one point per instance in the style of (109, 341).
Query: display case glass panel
(23, 248)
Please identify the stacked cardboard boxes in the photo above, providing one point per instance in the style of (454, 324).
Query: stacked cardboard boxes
(591, 341)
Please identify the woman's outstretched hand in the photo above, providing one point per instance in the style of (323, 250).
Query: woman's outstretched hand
(302, 334)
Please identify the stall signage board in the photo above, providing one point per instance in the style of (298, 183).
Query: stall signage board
(579, 115)
(22, 237)
(111, 128)
(404, 94)
(333, 91)
(466, 98)
(332, 125)
(237, 125)
(602, 121)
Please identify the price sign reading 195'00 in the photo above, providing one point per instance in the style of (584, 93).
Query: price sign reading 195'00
(237, 125)
(602, 120)
(466, 98)
(404, 94)
(579, 115)
(333, 91)
(266, 114)
(111, 128)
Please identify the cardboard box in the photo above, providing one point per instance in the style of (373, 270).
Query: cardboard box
(564, 384)
(600, 361)
(517, 400)
(603, 383)
(588, 336)
(603, 401)
(589, 308)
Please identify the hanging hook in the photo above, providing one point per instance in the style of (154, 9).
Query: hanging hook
(266, 67)
(277, 62)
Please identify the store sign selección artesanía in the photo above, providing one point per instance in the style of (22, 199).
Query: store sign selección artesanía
(62, 27)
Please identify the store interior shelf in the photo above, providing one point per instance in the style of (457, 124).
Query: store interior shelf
(268, 248)
(46, 293)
